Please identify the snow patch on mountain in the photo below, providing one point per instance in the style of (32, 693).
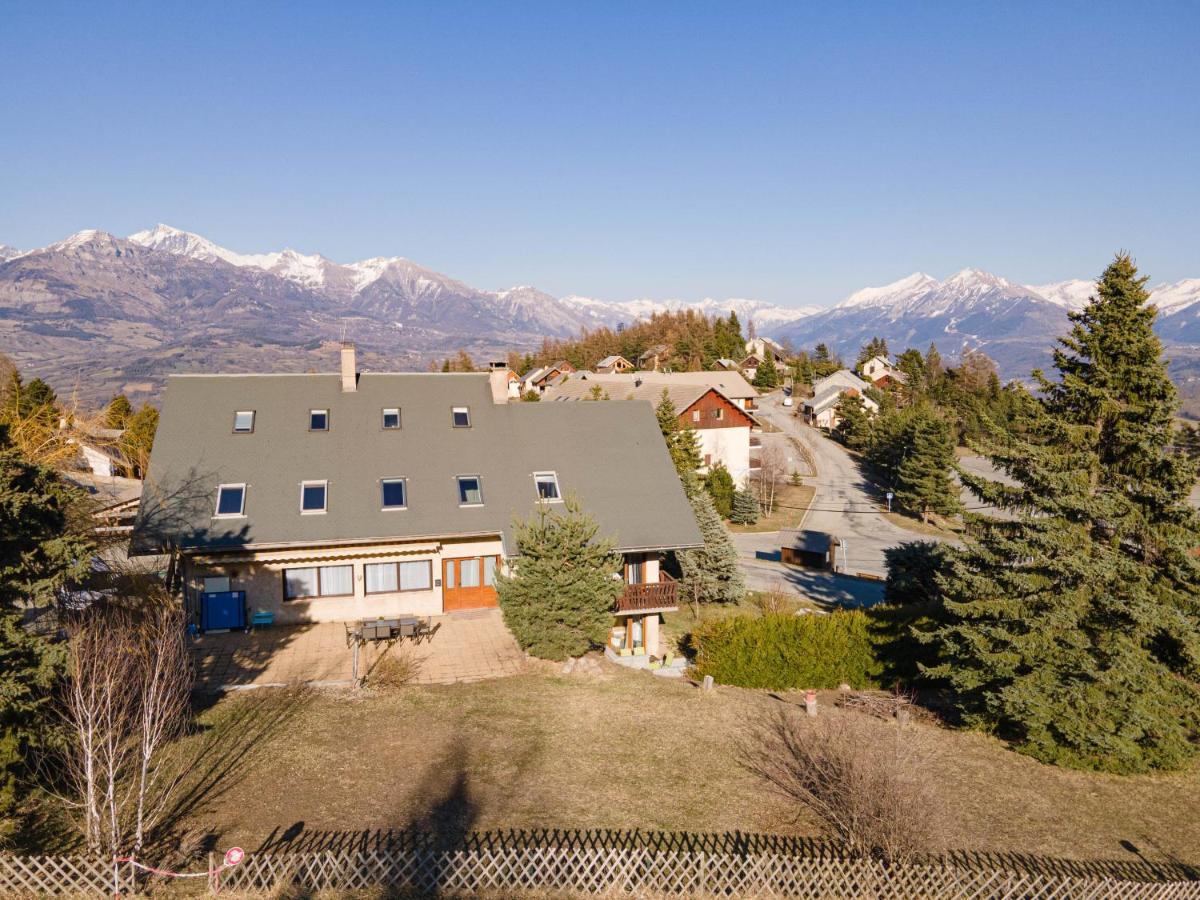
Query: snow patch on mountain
(763, 314)
(1172, 299)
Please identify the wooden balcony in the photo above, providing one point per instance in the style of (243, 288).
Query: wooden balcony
(657, 596)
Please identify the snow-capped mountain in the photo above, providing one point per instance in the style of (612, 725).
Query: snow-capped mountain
(764, 315)
(7, 252)
(971, 309)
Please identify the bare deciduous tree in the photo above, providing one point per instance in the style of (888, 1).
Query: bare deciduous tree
(866, 781)
(773, 470)
(126, 701)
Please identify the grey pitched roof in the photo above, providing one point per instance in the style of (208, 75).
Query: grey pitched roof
(732, 384)
(610, 455)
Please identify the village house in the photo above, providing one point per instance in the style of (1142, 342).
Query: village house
(611, 364)
(654, 358)
(339, 497)
(821, 408)
(537, 379)
(880, 372)
(722, 425)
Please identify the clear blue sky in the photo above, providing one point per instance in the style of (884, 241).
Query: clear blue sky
(790, 152)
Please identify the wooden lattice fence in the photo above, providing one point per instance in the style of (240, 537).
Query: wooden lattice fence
(586, 872)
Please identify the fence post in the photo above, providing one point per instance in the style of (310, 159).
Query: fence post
(213, 886)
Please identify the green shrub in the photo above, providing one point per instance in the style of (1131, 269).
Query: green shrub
(782, 652)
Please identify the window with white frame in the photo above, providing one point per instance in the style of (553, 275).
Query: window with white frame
(718, 413)
(461, 416)
(695, 415)
(318, 420)
(390, 577)
(231, 501)
(318, 581)
(394, 493)
(547, 486)
(313, 496)
(243, 421)
(470, 490)
(391, 418)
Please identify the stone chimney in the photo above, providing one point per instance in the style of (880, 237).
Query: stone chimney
(349, 368)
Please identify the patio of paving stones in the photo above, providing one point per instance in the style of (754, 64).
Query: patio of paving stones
(464, 646)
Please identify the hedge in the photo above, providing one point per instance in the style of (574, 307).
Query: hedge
(782, 652)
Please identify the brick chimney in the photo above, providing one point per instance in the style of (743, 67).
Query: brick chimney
(349, 369)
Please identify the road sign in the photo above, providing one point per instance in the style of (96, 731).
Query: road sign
(234, 855)
(890, 495)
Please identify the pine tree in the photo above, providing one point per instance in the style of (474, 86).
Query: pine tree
(1074, 628)
(766, 376)
(558, 598)
(42, 547)
(855, 424)
(923, 483)
(118, 411)
(682, 441)
(876, 346)
(710, 574)
(745, 507)
(720, 486)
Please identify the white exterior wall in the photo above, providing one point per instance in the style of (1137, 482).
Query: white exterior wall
(728, 445)
(260, 575)
(98, 462)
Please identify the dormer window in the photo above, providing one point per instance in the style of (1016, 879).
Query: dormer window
(318, 420)
(470, 490)
(313, 497)
(547, 486)
(243, 421)
(394, 493)
(461, 416)
(391, 418)
(231, 501)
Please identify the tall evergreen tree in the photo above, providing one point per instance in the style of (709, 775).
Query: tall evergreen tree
(1074, 628)
(682, 442)
(558, 598)
(923, 478)
(855, 422)
(745, 507)
(719, 484)
(42, 547)
(766, 376)
(876, 346)
(710, 574)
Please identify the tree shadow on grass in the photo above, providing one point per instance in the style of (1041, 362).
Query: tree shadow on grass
(216, 758)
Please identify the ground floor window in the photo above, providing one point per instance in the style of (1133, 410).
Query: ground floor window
(318, 581)
(388, 577)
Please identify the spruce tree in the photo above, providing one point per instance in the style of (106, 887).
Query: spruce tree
(682, 441)
(1073, 629)
(558, 599)
(855, 424)
(710, 574)
(42, 548)
(719, 485)
(923, 484)
(766, 376)
(745, 507)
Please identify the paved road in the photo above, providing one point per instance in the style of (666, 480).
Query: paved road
(845, 503)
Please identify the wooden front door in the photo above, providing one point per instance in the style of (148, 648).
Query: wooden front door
(469, 582)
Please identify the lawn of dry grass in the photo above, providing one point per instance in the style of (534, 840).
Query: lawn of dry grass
(627, 750)
(791, 505)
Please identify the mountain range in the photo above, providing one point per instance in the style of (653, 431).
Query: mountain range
(108, 313)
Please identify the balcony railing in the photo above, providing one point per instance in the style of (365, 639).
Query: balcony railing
(663, 594)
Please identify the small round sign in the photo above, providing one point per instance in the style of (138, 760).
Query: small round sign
(234, 855)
